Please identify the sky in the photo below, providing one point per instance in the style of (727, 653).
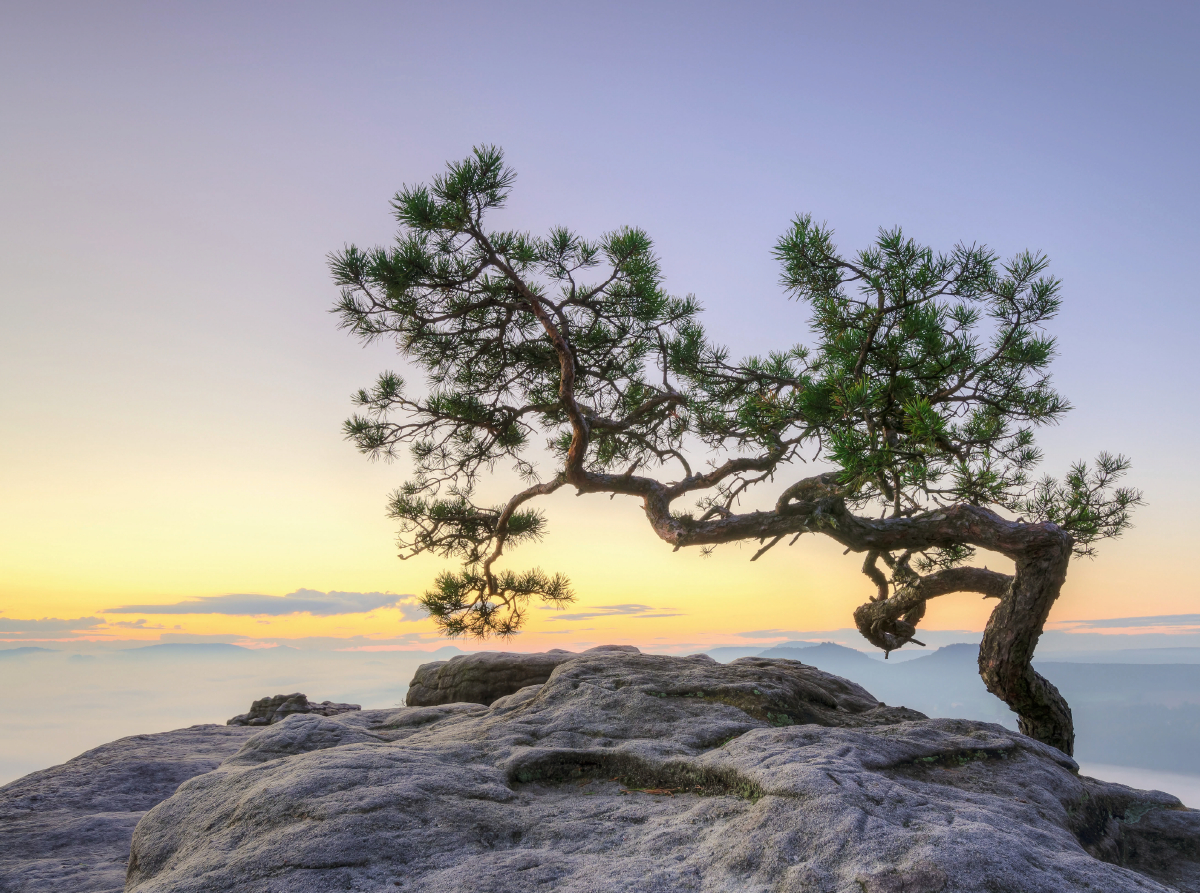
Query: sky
(172, 466)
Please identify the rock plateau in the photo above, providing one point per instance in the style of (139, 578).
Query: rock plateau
(632, 772)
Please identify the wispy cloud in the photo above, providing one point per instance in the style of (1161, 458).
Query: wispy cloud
(136, 624)
(612, 611)
(1180, 621)
(302, 601)
(412, 609)
(417, 640)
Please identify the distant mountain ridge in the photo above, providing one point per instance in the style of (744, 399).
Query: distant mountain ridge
(189, 648)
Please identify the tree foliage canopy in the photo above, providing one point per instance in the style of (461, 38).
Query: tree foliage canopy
(921, 386)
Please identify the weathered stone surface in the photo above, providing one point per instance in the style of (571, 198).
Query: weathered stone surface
(276, 708)
(483, 677)
(650, 773)
(66, 829)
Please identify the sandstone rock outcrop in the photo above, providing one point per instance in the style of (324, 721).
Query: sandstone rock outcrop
(276, 708)
(67, 829)
(626, 771)
(487, 675)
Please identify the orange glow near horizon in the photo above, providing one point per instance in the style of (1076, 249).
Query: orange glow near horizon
(603, 546)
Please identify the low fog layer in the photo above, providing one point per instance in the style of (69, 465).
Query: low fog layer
(63, 704)
(1137, 723)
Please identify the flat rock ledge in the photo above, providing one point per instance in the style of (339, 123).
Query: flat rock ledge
(634, 772)
(277, 708)
(66, 829)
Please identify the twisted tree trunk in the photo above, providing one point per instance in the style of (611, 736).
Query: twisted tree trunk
(1012, 633)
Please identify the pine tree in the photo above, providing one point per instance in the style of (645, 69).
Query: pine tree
(926, 377)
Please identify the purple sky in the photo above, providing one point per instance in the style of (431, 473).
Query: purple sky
(174, 175)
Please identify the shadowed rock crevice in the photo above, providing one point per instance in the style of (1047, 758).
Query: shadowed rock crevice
(568, 767)
(1145, 831)
(951, 760)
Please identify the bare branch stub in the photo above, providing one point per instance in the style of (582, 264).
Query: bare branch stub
(920, 392)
